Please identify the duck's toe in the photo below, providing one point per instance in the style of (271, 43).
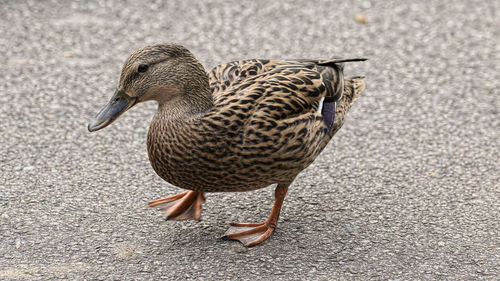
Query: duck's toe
(250, 234)
(183, 206)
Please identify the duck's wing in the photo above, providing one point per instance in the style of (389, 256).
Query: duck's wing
(280, 88)
(271, 122)
(275, 109)
(223, 76)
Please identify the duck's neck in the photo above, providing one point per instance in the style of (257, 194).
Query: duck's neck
(185, 106)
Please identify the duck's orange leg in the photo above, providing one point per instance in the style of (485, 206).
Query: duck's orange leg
(251, 234)
(183, 206)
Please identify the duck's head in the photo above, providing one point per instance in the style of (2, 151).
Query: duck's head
(162, 72)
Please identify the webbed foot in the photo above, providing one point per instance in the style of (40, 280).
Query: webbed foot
(182, 206)
(251, 234)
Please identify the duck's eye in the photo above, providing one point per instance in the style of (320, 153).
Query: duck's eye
(142, 68)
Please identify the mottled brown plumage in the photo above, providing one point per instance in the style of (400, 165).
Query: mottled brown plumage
(244, 126)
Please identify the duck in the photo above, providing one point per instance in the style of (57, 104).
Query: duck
(241, 126)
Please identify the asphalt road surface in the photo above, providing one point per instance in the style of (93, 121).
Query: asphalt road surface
(408, 189)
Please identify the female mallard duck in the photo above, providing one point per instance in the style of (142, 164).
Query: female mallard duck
(244, 126)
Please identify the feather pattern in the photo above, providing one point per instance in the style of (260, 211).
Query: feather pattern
(264, 127)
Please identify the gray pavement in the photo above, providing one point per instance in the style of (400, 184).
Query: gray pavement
(408, 189)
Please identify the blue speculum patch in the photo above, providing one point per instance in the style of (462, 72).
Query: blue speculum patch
(328, 112)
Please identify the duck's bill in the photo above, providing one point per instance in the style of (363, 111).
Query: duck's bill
(119, 103)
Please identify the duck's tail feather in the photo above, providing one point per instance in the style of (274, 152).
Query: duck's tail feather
(353, 87)
(332, 61)
(339, 62)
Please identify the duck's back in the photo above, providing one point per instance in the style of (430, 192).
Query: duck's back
(299, 73)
